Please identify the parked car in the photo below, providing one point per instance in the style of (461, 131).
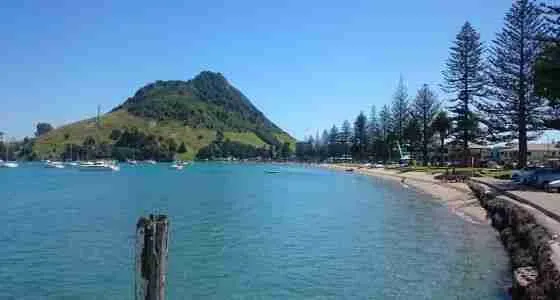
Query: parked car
(494, 165)
(522, 175)
(542, 177)
(553, 185)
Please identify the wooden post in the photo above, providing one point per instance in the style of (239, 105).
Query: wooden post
(151, 257)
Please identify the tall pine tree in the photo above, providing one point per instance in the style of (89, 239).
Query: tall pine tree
(333, 135)
(385, 129)
(373, 132)
(547, 68)
(513, 108)
(425, 108)
(442, 125)
(360, 136)
(400, 111)
(345, 137)
(333, 142)
(464, 77)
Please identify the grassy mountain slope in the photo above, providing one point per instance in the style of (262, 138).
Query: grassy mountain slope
(187, 111)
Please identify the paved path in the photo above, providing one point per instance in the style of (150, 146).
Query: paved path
(550, 202)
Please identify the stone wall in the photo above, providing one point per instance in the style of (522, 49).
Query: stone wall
(527, 243)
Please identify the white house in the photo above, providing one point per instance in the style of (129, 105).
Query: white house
(536, 153)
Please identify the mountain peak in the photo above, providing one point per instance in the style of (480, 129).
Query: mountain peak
(209, 75)
(190, 111)
(206, 101)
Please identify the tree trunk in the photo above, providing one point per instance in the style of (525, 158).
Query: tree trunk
(425, 144)
(466, 151)
(522, 155)
(522, 115)
(442, 148)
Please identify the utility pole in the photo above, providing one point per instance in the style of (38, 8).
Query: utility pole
(98, 119)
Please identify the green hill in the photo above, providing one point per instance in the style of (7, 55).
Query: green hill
(173, 112)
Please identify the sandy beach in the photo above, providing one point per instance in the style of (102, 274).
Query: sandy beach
(457, 196)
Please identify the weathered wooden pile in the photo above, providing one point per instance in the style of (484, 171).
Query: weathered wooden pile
(151, 257)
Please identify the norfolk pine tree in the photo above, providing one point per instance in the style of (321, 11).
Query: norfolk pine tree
(513, 108)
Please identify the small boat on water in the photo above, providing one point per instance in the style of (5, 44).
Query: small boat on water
(272, 171)
(151, 162)
(9, 164)
(349, 170)
(54, 165)
(132, 162)
(177, 166)
(99, 166)
(73, 163)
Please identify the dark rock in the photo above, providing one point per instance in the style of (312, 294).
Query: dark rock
(528, 245)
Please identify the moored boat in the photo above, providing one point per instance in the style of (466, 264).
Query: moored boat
(9, 164)
(54, 165)
(99, 166)
(177, 166)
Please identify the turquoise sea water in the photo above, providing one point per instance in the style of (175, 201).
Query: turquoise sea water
(237, 233)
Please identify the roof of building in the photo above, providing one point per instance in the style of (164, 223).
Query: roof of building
(471, 145)
(532, 147)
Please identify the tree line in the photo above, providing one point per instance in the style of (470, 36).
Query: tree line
(222, 148)
(129, 143)
(23, 149)
(508, 90)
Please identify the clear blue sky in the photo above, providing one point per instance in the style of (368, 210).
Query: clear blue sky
(305, 64)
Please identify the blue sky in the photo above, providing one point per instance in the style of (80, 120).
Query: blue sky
(305, 64)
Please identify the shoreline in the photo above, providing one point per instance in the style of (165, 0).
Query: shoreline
(456, 196)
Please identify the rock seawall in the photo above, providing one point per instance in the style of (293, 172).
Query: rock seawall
(528, 244)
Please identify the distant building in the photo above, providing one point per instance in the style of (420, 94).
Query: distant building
(340, 159)
(536, 153)
(480, 153)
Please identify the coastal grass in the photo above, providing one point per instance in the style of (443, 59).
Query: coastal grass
(477, 172)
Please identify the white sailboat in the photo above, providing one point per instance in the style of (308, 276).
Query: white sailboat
(72, 162)
(54, 165)
(177, 165)
(8, 163)
(99, 166)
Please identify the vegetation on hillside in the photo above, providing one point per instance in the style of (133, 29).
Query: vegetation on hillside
(188, 112)
(222, 147)
(207, 101)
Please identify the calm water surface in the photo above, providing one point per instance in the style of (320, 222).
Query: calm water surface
(240, 233)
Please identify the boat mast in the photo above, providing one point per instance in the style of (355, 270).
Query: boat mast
(6, 146)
